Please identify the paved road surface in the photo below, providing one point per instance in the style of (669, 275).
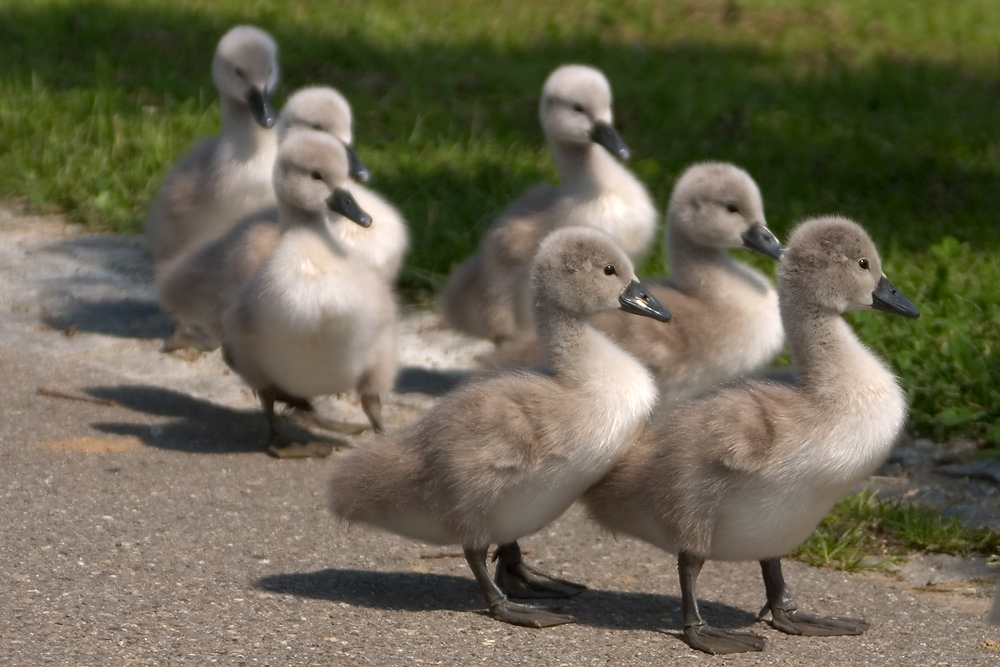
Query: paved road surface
(149, 527)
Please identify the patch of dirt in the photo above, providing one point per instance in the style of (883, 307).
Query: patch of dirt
(92, 445)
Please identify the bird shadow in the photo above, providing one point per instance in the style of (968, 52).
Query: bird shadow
(197, 426)
(111, 291)
(413, 591)
(430, 381)
(120, 318)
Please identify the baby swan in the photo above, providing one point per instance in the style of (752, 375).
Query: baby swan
(229, 176)
(312, 319)
(747, 472)
(196, 286)
(502, 457)
(324, 109)
(488, 295)
(727, 322)
(384, 243)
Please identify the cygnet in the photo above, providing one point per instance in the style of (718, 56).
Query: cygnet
(500, 458)
(747, 472)
(385, 242)
(229, 176)
(488, 295)
(312, 319)
(196, 286)
(726, 322)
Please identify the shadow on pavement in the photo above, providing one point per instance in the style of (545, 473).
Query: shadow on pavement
(430, 381)
(413, 591)
(405, 591)
(109, 291)
(121, 318)
(200, 427)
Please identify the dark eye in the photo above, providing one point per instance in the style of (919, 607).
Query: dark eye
(863, 263)
(317, 176)
(578, 107)
(239, 72)
(609, 270)
(317, 126)
(732, 208)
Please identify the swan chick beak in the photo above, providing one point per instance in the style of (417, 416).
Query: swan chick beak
(343, 202)
(636, 299)
(356, 168)
(602, 133)
(260, 107)
(889, 299)
(760, 239)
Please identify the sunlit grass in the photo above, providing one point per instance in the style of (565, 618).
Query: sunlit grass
(884, 112)
(863, 532)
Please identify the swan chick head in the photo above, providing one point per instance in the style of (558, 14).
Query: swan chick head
(320, 108)
(245, 70)
(324, 109)
(310, 174)
(582, 271)
(575, 109)
(831, 265)
(718, 205)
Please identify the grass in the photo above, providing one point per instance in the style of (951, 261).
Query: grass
(864, 532)
(881, 111)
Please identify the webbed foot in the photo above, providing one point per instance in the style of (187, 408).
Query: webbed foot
(716, 641)
(527, 615)
(188, 344)
(281, 448)
(309, 418)
(787, 618)
(519, 580)
(795, 622)
(185, 353)
(500, 606)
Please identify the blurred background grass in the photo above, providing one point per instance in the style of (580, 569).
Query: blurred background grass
(882, 111)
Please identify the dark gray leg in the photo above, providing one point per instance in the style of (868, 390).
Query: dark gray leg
(371, 403)
(519, 580)
(501, 608)
(698, 634)
(293, 402)
(279, 446)
(787, 618)
(267, 398)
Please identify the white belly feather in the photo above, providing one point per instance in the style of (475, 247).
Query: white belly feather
(612, 409)
(313, 332)
(776, 512)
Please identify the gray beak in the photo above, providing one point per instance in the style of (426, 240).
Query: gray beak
(356, 168)
(760, 238)
(636, 299)
(260, 107)
(343, 202)
(602, 133)
(890, 300)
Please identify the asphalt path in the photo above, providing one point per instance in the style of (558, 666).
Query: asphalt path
(143, 524)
